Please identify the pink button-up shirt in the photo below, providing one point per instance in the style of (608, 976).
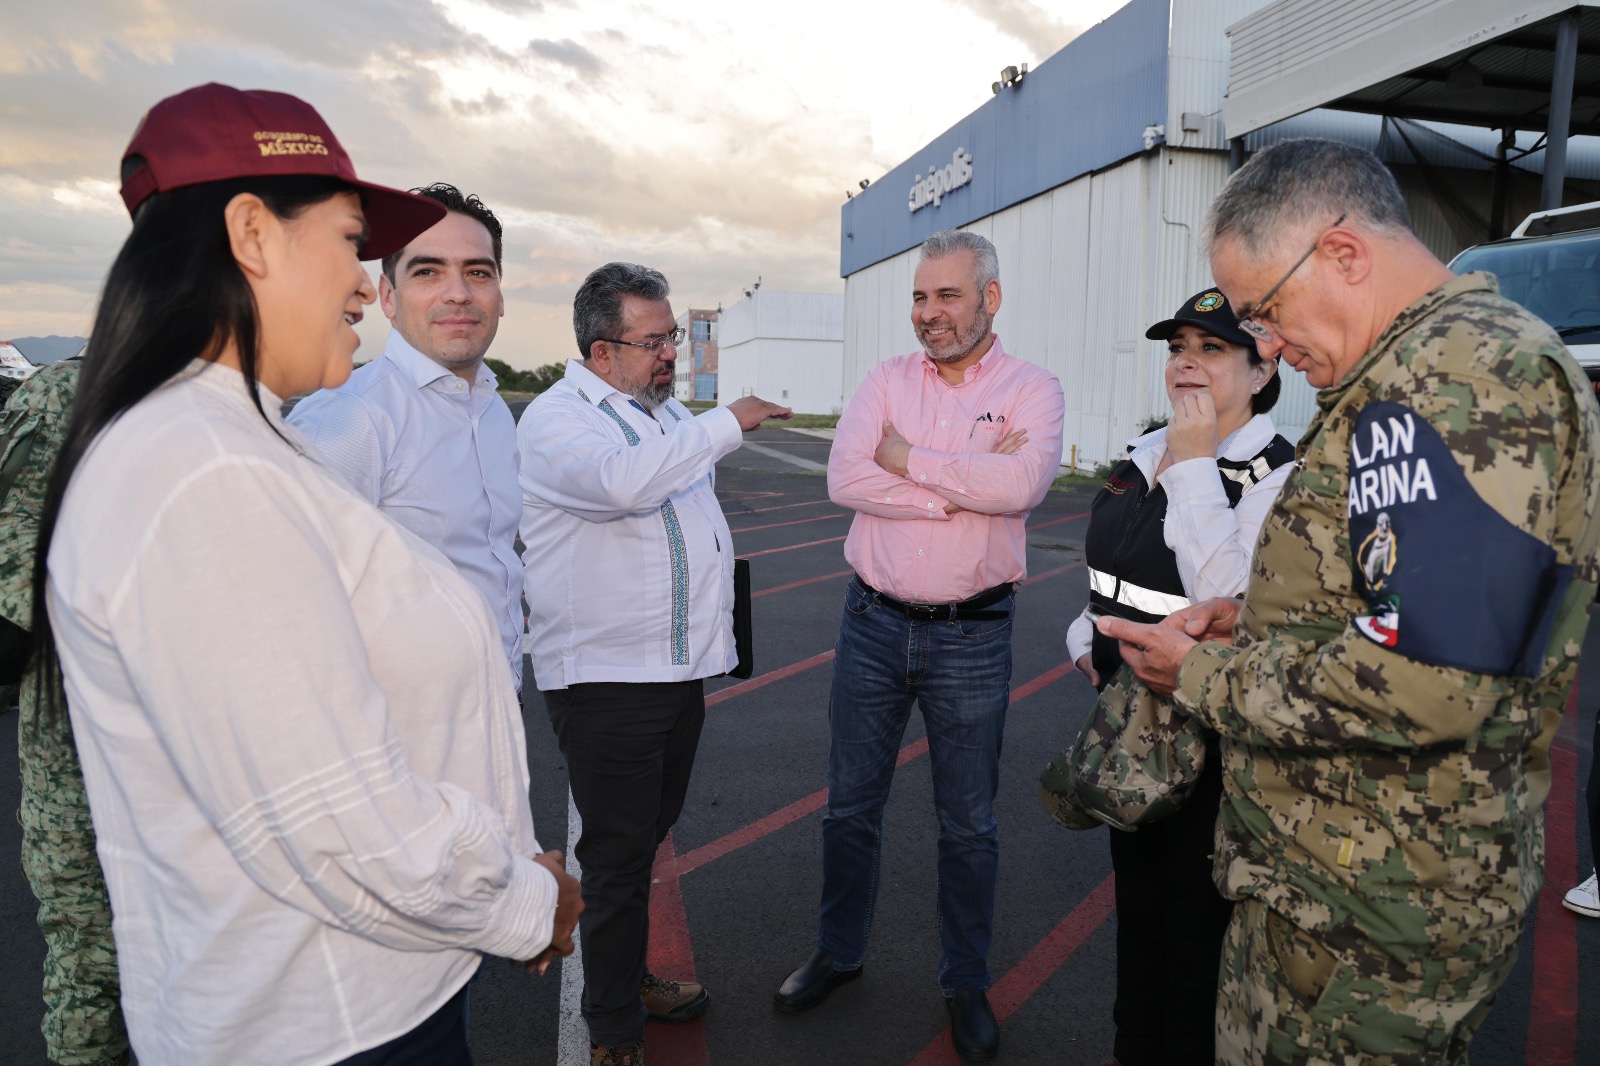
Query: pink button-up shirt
(902, 542)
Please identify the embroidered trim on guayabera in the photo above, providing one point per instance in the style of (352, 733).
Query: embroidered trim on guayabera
(677, 552)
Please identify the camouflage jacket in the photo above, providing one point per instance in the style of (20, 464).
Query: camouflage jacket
(1409, 636)
(32, 428)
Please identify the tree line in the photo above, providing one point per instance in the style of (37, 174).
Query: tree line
(532, 381)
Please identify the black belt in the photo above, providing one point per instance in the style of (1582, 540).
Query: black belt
(970, 609)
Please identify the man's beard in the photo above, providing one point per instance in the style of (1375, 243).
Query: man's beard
(966, 341)
(650, 396)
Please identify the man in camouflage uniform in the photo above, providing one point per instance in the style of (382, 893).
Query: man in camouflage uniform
(83, 1016)
(1385, 727)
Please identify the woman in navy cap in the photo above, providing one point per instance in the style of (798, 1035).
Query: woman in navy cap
(302, 750)
(1176, 523)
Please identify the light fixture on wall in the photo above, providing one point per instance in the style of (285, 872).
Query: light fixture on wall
(1010, 78)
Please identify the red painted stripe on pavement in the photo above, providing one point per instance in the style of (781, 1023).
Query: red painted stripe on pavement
(1553, 1007)
(1035, 968)
(797, 810)
(1058, 521)
(791, 547)
(797, 584)
(750, 495)
(1043, 681)
(796, 522)
(763, 680)
(671, 956)
(784, 507)
(1034, 579)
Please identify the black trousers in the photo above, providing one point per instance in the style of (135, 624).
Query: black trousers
(629, 750)
(1171, 921)
(441, 1040)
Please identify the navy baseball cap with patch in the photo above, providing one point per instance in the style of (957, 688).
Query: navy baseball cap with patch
(216, 132)
(1209, 310)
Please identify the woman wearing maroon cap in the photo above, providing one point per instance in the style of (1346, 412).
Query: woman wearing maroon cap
(303, 754)
(1177, 522)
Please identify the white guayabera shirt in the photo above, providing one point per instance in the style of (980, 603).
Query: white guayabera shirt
(304, 757)
(627, 558)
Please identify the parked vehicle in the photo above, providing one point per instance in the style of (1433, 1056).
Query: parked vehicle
(1551, 265)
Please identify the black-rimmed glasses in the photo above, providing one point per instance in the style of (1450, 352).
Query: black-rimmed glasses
(1250, 320)
(656, 345)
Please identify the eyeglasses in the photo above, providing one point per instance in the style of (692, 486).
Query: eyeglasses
(1250, 320)
(656, 345)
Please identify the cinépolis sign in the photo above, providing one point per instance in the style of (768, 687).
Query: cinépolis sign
(941, 181)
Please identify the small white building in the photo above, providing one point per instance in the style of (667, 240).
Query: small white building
(787, 347)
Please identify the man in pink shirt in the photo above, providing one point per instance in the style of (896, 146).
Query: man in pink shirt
(942, 453)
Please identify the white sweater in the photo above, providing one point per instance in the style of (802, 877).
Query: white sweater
(304, 757)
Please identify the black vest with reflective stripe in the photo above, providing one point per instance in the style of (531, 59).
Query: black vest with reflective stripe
(1132, 572)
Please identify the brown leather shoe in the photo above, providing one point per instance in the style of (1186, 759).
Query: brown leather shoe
(672, 1001)
(621, 1055)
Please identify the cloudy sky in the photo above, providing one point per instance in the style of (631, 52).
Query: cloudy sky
(713, 139)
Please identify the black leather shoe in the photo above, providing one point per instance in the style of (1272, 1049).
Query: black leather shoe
(973, 1029)
(811, 983)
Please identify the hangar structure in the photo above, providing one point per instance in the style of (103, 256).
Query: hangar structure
(1092, 173)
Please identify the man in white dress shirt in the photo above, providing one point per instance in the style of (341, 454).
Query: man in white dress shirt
(420, 431)
(628, 566)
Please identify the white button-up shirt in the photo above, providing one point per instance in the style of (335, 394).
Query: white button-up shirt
(436, 456)
(627, 558)
(305, 760)
(1212, 541)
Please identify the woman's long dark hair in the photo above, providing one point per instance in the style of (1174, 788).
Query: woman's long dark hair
(173, 295)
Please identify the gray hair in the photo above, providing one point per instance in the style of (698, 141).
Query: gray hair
(985, 261)
(597, 309)
(1304, 180)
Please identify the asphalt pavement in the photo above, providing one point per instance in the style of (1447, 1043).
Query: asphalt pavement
(738, 882)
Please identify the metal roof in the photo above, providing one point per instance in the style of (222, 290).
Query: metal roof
(1485, 63)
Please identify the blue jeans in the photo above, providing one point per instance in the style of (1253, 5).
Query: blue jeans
(960, 674)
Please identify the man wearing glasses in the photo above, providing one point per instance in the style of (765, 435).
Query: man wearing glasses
(1385, 734)
(628, 567)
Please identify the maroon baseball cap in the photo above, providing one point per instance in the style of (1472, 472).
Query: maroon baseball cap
(216, 132)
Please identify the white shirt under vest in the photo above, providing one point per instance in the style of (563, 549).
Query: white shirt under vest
(627, 558)
(304, 756)
(436, 456)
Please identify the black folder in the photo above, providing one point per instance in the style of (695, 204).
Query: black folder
(741, 620)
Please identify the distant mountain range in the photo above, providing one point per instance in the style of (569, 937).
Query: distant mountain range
(42, 350)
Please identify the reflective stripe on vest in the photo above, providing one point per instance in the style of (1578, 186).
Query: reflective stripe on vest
(1140, 599)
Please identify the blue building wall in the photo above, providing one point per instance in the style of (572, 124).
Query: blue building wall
(1083, 109)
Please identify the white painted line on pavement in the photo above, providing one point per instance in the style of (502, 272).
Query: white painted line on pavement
(572, 1041)
(773, 453)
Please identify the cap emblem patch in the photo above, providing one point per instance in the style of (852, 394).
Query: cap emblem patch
(272, 142)
(1209, 302)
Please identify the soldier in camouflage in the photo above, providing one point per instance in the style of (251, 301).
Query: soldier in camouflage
(1410, 632)
(83, 1018)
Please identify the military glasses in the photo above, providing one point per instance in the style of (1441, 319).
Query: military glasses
(1251, 321)
(655, 345)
